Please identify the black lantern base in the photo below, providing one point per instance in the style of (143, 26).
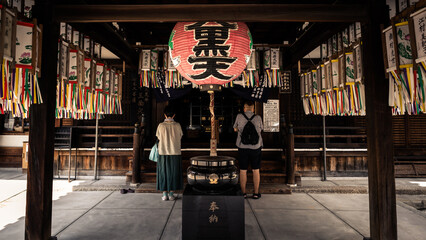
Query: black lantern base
(210, 87)
(206, 216)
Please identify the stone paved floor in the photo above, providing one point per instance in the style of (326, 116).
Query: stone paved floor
(111, 215)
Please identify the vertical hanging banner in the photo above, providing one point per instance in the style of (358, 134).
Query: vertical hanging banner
(25, 69)
(315, 91)
(28, 8)
(345, 38)
(403, 4)
(390, 48)
(323, 81)
(24, 41)
(72, 71)
(9, 27)
(267, 67)
(72, 87)
(309, 83)
(335, 73)
(63, 30)
(352, 38)
(350, 83)
(406, 76)
(116, 80)
(311, 100)
(305, 101)
(86, 44)
(97, 50)
(80, 67)
(271, 63)
(17, 4)
(99, 76)
(106, 90)
(394, 89)
(99, 80)
(419, 25)
(172, 76)
(350, 69)
(154, 68)
(250, 77)
(358, 31)
(107, 80)
(76, 38)
(359, 85)
(335, 86)
(144, 67)
(358, 63)
(339, 42)
(341, 93)
(87, 73)
(329, 47)
(403, 43)
(324, 50)
(69, 33)
(275, 67)
(334, 43)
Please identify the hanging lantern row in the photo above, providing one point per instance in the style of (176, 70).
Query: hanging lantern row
(335, 87)
(79, 40)
(85, 85)
(151, 75)
(406, 64)
(272, 61)
(20, 66)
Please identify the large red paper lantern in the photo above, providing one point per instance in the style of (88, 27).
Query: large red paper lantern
(210, 52)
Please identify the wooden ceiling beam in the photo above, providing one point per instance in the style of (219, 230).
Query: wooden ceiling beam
(317, 34)
(212, 12)
(104, 34)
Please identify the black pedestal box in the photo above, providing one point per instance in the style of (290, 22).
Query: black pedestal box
(207, 216)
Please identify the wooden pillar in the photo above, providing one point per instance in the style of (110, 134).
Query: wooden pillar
(38, 219)
(136, 166)
(290, 157)
(381, 179)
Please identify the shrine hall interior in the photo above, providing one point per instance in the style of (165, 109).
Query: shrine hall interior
(299, 44)
(308, 139)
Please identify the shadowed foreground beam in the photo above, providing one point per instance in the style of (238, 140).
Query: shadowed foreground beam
(209, 12)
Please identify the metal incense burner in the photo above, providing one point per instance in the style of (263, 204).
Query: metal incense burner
(212, 174)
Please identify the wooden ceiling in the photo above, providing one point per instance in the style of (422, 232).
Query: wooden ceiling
(152, 33)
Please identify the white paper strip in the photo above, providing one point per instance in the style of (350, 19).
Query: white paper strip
(146, 60)
(275, 58)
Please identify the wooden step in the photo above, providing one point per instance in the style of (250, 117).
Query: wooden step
(272, 155)
(266, 165)
(265, 177)
(264, 189)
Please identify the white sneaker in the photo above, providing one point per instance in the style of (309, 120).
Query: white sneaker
(172, 197)
(164, 198)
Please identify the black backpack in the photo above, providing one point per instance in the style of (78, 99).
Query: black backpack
(249, 136)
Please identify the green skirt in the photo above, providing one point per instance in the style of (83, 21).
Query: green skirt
(169, 173)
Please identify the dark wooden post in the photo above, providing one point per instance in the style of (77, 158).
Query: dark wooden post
(142, 145)
(136, 167)
(290, 156)
(381, 178)
(38, 219)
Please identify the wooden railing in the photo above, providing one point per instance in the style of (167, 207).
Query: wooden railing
(336, 137)
(108, 136)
